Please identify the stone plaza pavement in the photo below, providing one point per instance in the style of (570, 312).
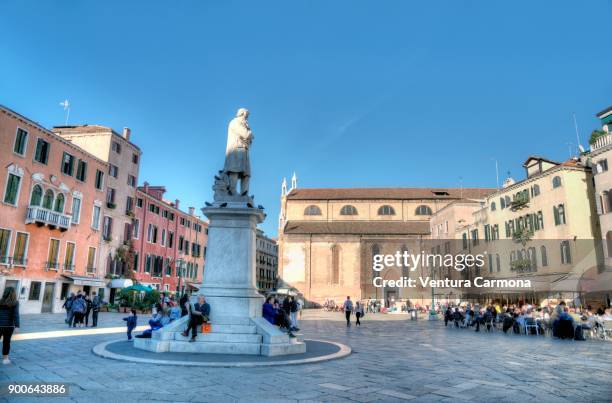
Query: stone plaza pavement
(393, 359)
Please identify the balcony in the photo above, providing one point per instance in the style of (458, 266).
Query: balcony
(42, 216)
(601, 141)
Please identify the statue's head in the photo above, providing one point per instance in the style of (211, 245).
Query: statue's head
(242, 112)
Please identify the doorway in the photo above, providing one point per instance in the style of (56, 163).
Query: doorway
(47, 303)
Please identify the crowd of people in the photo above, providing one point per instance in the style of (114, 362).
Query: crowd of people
(560, 320)
(169, 309)
(283, 314)
(79, 307)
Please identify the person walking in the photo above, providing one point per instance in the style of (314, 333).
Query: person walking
(95, 309)
(88, 307)
(293, 308)
(348, 309)
(79, 307)
(9, 321)
(131, 322)
(358, 312)
(68, 307)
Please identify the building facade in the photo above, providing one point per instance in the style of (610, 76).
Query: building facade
(597, 158)
(543, 229)
(266, 263)
(168, 244)
(50, 215)
(328, 237)
(120, 178)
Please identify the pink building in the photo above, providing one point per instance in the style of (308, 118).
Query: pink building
(169, 244)
(53, 196)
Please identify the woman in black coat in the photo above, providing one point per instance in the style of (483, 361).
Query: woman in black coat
(9, 321)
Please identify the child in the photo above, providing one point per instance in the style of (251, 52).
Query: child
(131, 324)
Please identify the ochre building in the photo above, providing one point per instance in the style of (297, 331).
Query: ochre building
(327, 237)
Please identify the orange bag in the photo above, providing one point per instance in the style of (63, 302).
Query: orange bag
(206, 327)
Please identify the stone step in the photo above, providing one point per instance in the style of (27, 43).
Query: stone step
(247, 329)
(230, 320)
(215, 347)
(223, 337)
(272, 350)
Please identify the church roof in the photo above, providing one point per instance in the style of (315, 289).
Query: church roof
(358, 227)
(388, 193)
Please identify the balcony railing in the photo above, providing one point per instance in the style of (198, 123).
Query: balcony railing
(602, 142)
(51, 218)
(13, 261)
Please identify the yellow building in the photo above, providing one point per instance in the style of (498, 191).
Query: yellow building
(543, 228)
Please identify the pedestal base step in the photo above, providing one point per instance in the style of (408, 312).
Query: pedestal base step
(222, 337)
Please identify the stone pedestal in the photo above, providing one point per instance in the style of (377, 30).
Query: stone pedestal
(229, 275)
(229, 287)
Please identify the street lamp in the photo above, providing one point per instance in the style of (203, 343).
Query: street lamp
(179, 271)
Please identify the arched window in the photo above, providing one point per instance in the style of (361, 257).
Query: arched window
(535, 190)
(36, 197)
(493, 206)
(48, 199)
(375, 251)
(405, 268)
(59, 203)
(556, 182)
(502, 203)
(335, 255)
(348, 210)
(312, 210)
(543, 256)
(566, 255)
(386, 210)
(423, 210)
(508, 201)
(533, 261)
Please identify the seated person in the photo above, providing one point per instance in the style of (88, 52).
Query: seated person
(198, 315)
(565, 325)
(268, 312)
(282, 320)
(175, 313)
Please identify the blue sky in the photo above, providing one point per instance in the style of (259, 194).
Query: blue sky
(345, 93)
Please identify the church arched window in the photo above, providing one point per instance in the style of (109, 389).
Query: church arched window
(423, 210)
(386, 210)
(335, 274)
(348, 210)
(312, 210)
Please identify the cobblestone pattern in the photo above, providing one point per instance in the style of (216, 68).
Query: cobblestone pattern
(393, 359)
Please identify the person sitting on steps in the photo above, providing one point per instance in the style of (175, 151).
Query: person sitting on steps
(199, 313)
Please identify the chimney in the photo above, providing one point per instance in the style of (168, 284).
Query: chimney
(192, 211)
(126, 133)
(176, 204)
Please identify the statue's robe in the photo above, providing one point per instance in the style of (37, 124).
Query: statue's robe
(239, 138)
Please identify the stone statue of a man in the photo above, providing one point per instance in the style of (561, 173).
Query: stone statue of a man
(237, 164)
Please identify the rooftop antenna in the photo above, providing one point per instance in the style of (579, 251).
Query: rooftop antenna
(66, 106)
(569, 148)
(496, 172)
(576, 128)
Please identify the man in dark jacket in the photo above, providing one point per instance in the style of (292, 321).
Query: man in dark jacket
(96, 302)
(199, 314)
(68, 307)
(88, 307)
